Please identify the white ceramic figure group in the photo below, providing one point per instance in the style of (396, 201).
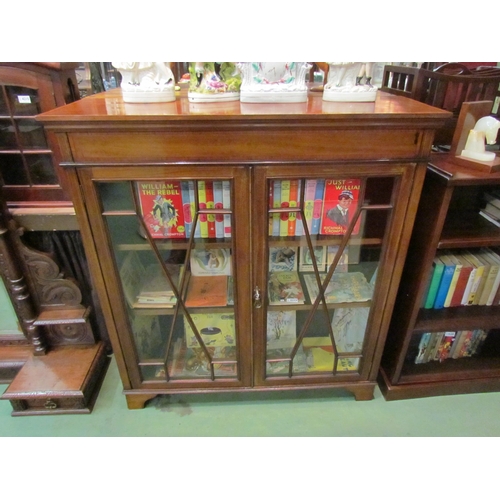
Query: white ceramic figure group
(245, 81)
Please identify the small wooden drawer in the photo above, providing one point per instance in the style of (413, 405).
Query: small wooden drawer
(64, 381)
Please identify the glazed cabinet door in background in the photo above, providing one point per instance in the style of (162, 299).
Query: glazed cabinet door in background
(174, 244)
(331, 237)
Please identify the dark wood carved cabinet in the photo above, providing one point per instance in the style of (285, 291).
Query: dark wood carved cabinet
(236, 262)
(448, 219)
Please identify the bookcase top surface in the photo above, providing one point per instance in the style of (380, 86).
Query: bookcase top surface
(109, 106)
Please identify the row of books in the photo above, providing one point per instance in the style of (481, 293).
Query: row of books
(464, 278)
(285, 288)
(168, 208)
(491, 211)
(438, 346)
(323, 210)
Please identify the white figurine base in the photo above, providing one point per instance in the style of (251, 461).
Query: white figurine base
(360, 93)
(145, 96)
(474, 155)
(276, 97)
(222, 97)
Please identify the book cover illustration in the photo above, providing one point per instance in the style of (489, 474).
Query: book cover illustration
(216, 330)
(214, 262)
(283, 259)
(187, 206)
(422, 347)
(285, 288)
(306, 259)
(343, 287)
(341, 199)
(342, 264)
(162, 208)
(147, 336)
(281, 329)
(207, 291)
(317, 206)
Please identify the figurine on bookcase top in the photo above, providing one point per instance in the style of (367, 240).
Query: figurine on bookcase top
(486, 129)
(274, 81)
(349, 82)
(213, 81)
(146, 81)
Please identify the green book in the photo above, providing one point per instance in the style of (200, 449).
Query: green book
(437, 273)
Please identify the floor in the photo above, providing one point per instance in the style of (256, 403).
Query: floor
(305, 414)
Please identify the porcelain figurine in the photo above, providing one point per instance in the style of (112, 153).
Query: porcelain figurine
(486, 129)
(274, 81)
(349, 82)
(213, 81)
(146, 81)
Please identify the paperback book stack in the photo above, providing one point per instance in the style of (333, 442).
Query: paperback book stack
(491, 212)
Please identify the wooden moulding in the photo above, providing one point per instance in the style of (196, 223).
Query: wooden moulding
(470, 113)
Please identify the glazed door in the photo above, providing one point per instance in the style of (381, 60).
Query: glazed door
(331, 239)
(174, 244)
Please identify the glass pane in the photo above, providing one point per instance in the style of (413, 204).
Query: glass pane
(8, 139)
(325, 239)
(177, 284)
(31, 134)
(12, 170)
(41, 169)
(23, 101)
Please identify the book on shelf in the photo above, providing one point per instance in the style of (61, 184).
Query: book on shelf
(340, 201)
(209, 196)
(271, 205)
(309, 194)
(147, 335)
(306, 259)
(283, 259)
(445, 345)
(495, 263)
(219, 205)
(192, 201)
(349, 328)
(147, 286)
(454, 279)
(281, 329)
(317, 206)
(422, 347)
(463, 281)
(299, 225)
(492, 197)
(293, 203)
(489, 275)
(207, 291)
(437, 273)
(285, 203)
(187, 207)
(213, 262)
(285, 288)
(343, 262)
(162, 208)
(215, 329)
(444, 285)
(490, 217)
(492, 209)
(230, 291)
(276, 203)
(343, 287)
(479, 268)
(226, 205)
(202, 203)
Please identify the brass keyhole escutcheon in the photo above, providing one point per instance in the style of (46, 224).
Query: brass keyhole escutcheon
(257, 299)
(50, 405)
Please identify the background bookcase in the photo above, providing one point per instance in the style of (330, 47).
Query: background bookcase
(447, 218)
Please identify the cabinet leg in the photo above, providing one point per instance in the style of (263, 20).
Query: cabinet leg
(137, 401)
(363, 393)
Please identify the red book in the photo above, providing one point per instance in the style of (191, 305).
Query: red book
(161, 207)
(293, 202)
(463, 279)
(340, 202)
(209, 186)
